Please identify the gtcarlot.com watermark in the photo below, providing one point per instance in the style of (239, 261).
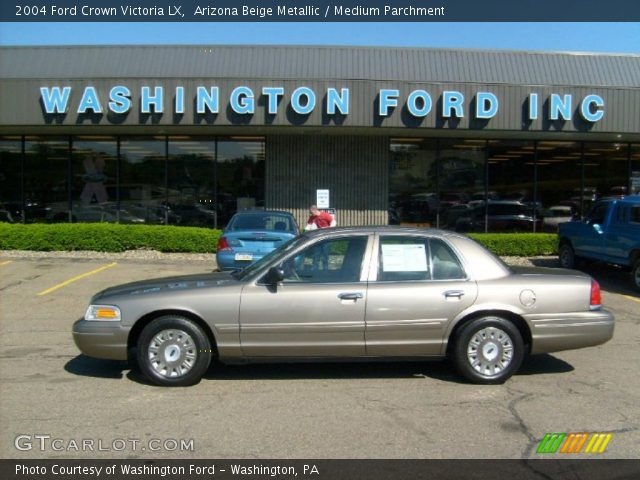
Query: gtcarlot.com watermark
(50, 443)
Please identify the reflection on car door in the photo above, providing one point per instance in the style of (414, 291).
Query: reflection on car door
(590, 239)
(318, 310)
(418, 285)
(622, 233)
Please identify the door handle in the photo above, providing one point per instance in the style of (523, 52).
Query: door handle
(453, 293)
(350, 296)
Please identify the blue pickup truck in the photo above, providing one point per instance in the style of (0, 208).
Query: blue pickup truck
(610, 233)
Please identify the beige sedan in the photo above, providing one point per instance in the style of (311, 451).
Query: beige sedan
(375, 292)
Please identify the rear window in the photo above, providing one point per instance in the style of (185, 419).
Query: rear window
(261, 221)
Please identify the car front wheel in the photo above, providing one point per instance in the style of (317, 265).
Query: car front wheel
(173, 351)
(488, 350)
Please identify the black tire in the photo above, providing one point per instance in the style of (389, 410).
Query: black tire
(173, 337)
(483, 338)
(635, 275)
(566, 256)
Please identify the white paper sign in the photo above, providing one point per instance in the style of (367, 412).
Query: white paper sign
(322, 198)
(404, 258)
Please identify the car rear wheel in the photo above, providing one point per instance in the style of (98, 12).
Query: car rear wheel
(635, 274)
(488, 350)
(173, 351)
(567, 256)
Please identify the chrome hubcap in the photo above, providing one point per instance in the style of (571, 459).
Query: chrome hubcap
(565, 258)
(172, 353)
(490, 351)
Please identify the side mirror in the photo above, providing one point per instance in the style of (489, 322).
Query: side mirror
(274, 276)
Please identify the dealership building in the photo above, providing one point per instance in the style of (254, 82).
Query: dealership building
(187, 135)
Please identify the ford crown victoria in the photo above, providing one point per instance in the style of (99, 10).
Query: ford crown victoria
(345, 293)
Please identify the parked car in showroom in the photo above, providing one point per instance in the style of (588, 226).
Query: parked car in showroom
(345, 293)
(555, 215)
(502, 216)
(251, 234)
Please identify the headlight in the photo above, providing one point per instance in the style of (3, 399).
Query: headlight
(103, 312)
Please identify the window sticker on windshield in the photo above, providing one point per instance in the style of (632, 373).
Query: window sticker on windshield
(404, 258)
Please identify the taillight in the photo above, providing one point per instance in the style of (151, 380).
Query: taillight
(223, 245)
(596, 301)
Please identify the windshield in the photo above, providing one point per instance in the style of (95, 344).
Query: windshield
(273, 256)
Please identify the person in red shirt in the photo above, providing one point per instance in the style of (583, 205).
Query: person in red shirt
(319, 219)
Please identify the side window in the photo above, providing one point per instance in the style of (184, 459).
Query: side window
(330, 261)
(403, 259)
(634, 217)
(445, 264)
(598, 214)
(621, 213)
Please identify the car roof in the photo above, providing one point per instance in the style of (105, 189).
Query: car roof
(382, 229)
(262, 212)
(630, 199)
(633, 199)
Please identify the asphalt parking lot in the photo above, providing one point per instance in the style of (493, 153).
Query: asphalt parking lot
(363, 410)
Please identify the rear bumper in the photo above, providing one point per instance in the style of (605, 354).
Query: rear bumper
(227, 261)
(567, 331)
(101, 339)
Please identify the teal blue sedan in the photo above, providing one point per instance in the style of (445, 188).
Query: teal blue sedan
(252, 234)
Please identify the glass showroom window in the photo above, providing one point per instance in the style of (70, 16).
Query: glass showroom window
(143, 192)
(240, 172)
(94, 162)
(462, 185)
(511, 203)
(10, 179)
(191, 177)
(413, 182)
(46, 179)
(559, 173)
(606, 169)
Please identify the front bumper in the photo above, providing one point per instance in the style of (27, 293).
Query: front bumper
(567, 331)
(101, 339)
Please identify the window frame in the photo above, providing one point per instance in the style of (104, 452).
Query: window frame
(374, 268)
(590, 220)
(364, 265)
(378, 255)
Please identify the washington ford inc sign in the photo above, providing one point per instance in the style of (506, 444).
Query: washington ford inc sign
(243, 100)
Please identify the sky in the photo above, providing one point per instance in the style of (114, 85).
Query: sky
(580, 37)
